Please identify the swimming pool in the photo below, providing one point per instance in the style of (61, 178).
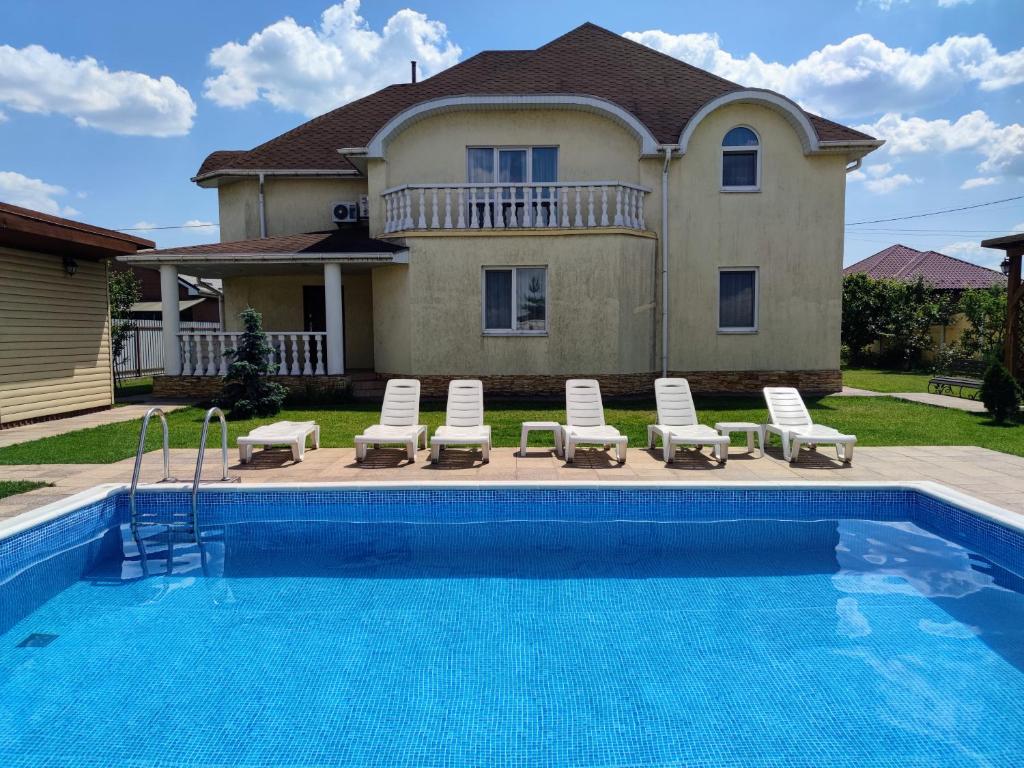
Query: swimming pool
(517, 625)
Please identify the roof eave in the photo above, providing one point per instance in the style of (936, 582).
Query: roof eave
(151, 258)
(212, 178)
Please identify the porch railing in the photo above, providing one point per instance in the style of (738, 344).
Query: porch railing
(564, 204)
(295, 353)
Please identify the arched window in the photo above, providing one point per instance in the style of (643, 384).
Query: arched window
(741, 160)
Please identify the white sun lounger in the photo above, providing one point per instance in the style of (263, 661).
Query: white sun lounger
(677, 422)
(398, 417)
(792, 423)
(464, 419)
(585, 425)
(291, 433)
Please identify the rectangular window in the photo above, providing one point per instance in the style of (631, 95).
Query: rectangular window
(515, 300)
(737, 300)
(514, 165)
(739, 169)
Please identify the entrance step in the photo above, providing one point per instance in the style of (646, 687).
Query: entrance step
(368, 387)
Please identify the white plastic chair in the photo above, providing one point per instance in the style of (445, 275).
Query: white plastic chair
(290, 433)
(677, 422)
(585, 425)
(464, 419)
(792, 423)
(398, 417)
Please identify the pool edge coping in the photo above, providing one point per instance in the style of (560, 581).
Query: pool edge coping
(52, 511)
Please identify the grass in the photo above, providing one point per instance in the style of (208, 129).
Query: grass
(875, 421)
(140, 386)
(14, 487)
(878, 380)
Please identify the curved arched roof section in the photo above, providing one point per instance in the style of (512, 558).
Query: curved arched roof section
(593, 104)
(764, 98)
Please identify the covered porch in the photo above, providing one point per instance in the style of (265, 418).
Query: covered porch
(314, 291)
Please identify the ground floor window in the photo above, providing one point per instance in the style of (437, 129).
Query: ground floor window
(515, 300)
(737, 299)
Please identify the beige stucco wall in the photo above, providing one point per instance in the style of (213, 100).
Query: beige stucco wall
(600, 306)
(792, 230)
(292, 205)
(279, 299)
(54, 336)
(433, 150)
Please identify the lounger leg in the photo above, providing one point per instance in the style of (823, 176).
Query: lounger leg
(761, 437)
(360, 452)
(620, 452)
(298, 451)
(242, 458)
(570, 450)
(786, 446)
(750, 442)
(522, 442)
(316, 438)
(668, 450)
(410, 449)
(435, 452)
(485, 449)
(650, 437)
(794, 451)
(559, 442)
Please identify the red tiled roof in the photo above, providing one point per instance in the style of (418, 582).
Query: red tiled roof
(898, 262)
(661, 91)
(331, 241)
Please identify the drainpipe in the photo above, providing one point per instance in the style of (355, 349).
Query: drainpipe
(664, 259)
(851, 167)
(263, 211)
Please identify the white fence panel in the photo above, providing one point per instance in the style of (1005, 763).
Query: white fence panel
(144, 350)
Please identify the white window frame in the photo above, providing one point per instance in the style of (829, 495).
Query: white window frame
(483, 301)
(757, 301)
(529, 160)
(733, 150)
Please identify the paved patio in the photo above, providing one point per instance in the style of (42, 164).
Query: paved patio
(995, 477)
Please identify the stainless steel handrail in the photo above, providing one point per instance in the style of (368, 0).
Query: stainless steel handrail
(199, 461)
(138, 457)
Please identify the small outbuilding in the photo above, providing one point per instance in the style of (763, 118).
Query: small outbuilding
(54, 316)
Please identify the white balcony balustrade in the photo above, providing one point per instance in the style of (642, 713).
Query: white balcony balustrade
(565, 204)
(295, 353)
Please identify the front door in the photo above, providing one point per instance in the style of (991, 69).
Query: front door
(314, 315)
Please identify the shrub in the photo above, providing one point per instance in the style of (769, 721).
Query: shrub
(247, 391)
(1000, 393)
(123, 289)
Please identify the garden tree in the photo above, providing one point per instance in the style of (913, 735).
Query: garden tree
(123, 290)
(985, 312)
(1000, 393)
(859, 310)
(247, 390)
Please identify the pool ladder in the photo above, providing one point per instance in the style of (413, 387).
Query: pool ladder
(179, 523)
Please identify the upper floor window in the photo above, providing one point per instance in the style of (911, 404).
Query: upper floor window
(512, 165)
(741, 160)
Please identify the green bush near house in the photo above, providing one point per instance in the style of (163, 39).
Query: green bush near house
(1000, 393)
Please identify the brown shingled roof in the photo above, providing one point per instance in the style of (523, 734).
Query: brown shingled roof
(898, 262)
(661, 91)
(330, 241)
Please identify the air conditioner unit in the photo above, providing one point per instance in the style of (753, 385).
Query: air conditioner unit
(345, 212)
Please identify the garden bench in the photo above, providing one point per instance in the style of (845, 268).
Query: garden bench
(963, 374)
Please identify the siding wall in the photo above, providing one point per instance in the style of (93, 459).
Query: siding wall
(54, 337)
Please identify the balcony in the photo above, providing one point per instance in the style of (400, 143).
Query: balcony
(554, 205)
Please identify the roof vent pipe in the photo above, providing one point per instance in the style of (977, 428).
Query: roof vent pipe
(413, 67)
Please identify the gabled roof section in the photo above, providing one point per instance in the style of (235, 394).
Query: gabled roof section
(899, 262)
(662, 92)
(36, 231)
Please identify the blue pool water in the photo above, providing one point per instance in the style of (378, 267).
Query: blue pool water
(518, 627)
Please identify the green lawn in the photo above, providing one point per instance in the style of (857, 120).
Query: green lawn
(140, 386)
(879, 380)
(875, 421)
(12, 487)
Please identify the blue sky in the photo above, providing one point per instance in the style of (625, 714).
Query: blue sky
(108, 108)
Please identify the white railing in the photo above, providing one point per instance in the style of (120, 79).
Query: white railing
(295, 353)
(144, 351)
(564, 204)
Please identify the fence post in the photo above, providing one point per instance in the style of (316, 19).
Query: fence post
(138, 351)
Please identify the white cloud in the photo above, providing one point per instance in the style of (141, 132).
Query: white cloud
(3, 117)
(879, 169)
(954, 3)
(980, 181)
(887, 184)
(859, 76)
(1001, 146)
(309, 70)
(32, 79)
(971, 250)
(886, 5)
(1018, 227)
(18, 189)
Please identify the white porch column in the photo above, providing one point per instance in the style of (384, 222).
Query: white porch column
(169, 311)
(335, 312)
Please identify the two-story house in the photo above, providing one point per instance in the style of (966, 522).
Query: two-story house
(589, 208)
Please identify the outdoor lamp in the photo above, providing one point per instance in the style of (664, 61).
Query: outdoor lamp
(70, 266)
(1004, 267)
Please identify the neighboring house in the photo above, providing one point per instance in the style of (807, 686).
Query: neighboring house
(523, 216)
(54, 320)
(945, 273)
(198, 300)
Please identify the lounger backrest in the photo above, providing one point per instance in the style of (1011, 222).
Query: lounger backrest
(583, 406)
(401, 403)
(786, 407)
(465, 403)
(675, 403)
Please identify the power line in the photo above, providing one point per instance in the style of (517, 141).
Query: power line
(151, 228)
(936, 213)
